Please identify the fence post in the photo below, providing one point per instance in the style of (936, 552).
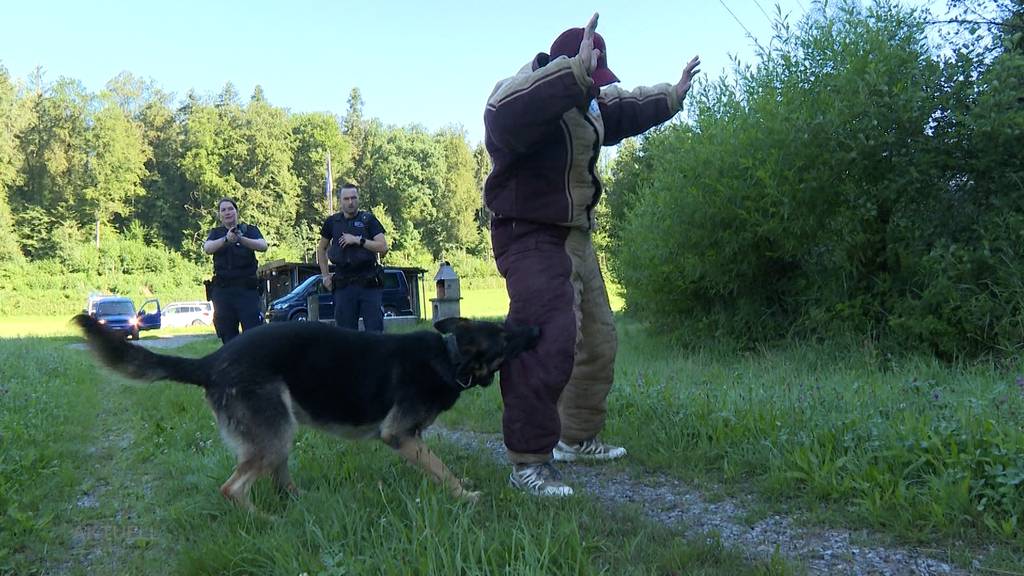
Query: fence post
(313, 307)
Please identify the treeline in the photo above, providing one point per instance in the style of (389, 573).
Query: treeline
(83, 175)
(859, 180)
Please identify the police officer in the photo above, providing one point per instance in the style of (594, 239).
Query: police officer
(234, 288)
(353, 239)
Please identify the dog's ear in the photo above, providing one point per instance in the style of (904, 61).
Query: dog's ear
(519, 339)
(448, 325)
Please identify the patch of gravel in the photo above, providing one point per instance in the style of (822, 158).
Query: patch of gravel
(674, 504)
(158, 342)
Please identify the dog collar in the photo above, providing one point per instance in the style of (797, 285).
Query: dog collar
(455, 355)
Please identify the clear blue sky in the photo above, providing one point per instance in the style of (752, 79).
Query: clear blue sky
(427, 62)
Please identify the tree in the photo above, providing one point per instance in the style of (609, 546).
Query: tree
(457, 200)
(483, 168)
(210, 140)
(55, 149)
(315, 135)
(118, 156)
(162, 209)
(13, 119)
(269, 190)
(404, 171)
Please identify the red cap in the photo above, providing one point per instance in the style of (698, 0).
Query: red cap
(568, 44)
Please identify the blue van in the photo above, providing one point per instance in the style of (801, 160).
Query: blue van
(292, 306)
(118, 313)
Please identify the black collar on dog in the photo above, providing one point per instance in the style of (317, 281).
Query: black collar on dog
(456, 357)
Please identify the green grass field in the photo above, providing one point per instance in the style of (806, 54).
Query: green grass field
(99, 475)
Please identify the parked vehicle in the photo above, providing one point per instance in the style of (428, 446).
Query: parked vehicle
(293, 306)
(181, 314)
(118, 313)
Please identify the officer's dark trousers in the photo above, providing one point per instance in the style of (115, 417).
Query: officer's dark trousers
(354, 301)
(233, 306)
(559, 389)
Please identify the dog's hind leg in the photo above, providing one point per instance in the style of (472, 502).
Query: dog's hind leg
(415, 451)
(283, 479)
(237, 486)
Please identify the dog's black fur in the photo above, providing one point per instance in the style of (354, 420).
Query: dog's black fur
(387, 386)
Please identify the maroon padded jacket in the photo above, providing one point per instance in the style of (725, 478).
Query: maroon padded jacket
(544, 128)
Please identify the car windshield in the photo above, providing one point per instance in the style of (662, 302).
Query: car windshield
(302, 287)
(118, 308)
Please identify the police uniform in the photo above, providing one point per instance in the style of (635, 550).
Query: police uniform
(358, 286)
(234, 288)
(357, 282)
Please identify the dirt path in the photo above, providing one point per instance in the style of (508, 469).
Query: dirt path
(106, 527)
(684, 508)
(159, 342)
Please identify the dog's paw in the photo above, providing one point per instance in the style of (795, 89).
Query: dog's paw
(470, 495)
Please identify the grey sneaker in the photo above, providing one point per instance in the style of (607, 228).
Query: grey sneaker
(540, 479)
(592, 449)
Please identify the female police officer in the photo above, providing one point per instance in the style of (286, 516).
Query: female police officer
(234, 286)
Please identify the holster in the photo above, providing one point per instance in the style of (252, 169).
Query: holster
(250, 283)
(372, 278)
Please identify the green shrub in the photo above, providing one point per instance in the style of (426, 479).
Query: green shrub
(851, 182)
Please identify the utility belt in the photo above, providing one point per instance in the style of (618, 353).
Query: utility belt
(370, 278)
(248, 282)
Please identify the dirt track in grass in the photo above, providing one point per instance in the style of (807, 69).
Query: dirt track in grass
(686, 509)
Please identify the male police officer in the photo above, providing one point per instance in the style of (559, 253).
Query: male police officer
(352, 239)
(234, 288)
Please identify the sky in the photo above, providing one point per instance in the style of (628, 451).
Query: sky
(431, 63)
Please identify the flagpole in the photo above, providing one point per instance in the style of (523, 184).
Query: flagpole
(329, 186)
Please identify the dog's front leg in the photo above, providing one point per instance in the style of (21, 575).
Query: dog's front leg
(415, 451)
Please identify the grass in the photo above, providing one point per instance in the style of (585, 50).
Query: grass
(928, 454)
(103, 476)
(493, 302)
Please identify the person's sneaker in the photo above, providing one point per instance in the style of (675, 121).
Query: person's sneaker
(540, 479)
(592, 449)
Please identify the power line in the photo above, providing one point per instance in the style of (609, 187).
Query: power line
(745, 29)
(758, 4)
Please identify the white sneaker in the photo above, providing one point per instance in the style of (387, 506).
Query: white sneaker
(540, 479)
(592, 449)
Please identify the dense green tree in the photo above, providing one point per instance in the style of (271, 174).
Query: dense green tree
(315, 135)
(457, 200)
(164, 209)
(55, 168)
(53, 146)
(269, 189)
(13, 119)
(483, 167)
(406, 171)
(117, 163)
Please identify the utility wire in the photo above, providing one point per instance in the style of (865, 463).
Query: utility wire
(745, 29)
(758, 4)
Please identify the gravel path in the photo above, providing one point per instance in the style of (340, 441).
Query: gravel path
(673, 503)
(159, 342)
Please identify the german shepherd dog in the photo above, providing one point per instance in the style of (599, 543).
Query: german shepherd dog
(262, 384)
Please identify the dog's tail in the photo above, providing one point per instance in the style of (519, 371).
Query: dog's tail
(137, 362)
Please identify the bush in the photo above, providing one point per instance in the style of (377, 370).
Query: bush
(61, 285)
(850, 182)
